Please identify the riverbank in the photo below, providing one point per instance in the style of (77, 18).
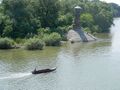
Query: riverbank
(22, 43)
(35, 43)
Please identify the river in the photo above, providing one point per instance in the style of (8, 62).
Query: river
(80, 66)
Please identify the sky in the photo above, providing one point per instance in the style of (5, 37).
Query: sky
(114, 1)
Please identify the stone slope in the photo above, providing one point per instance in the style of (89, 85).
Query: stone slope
(77, 36)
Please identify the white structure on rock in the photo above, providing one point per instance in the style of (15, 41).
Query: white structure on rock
(77, 34)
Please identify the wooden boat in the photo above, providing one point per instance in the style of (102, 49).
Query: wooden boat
(43, 71)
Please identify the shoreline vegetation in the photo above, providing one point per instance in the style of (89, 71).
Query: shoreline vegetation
(35, 43)
(33, 25)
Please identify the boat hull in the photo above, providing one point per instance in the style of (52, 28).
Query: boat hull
(43, 71)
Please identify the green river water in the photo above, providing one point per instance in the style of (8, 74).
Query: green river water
(80, 66)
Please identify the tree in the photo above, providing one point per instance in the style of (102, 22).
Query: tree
(22, 18)
(86, 20)
(104, 19)
(5, 23)
(115, 9)
(20, 15)
(47, 11)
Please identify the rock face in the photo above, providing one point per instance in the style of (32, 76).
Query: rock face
(77, 34)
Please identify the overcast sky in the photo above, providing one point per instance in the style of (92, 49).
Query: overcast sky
(115, 1)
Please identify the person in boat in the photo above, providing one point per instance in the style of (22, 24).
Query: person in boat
(35, 70)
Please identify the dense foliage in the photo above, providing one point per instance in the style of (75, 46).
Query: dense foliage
(115, 9)
(27, 18)
(52, 39)
(6, 43)
(34, 44)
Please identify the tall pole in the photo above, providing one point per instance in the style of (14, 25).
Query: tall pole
(76, 23)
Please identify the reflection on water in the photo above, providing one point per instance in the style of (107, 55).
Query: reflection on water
(80, 66)
(115, 31)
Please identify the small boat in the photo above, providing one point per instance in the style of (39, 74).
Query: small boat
(43, 71)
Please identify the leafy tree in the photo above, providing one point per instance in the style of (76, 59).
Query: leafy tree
(19, 13)
(26, 18)
(116, 9)
(5, 24)
(86, 20)
(104, 19)
(47, 11)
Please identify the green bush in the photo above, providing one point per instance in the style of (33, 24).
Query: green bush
(20, 41)
(63, 31)
(87, 29)
(86, 20)
(65, 20)
(6, 43)
(42, 31)
(34, 44)
(52, 40)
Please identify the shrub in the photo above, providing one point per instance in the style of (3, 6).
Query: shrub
(52, 40)
(20, 41)
(34, 44)
(65, 20)
(95, 29)
(41, 32)
(63, 31)
(6, 43)
(87, 29)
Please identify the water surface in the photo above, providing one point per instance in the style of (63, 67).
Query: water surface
(80, 66)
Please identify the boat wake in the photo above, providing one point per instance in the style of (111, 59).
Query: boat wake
(15, 76)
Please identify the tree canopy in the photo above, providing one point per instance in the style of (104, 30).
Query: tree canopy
(21, 18)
